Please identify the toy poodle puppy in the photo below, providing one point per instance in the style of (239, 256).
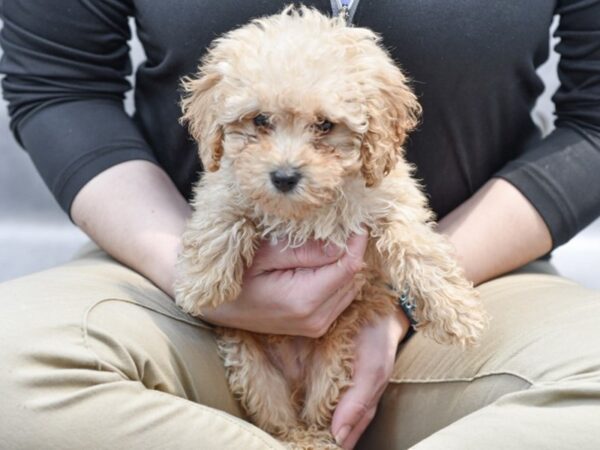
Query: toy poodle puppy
(300, 121)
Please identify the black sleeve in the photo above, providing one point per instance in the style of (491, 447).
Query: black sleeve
(65, 64)
(561, 174)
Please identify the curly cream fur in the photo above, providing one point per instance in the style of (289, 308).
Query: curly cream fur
(300, 67)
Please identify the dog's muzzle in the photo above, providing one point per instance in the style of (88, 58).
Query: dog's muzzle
(285, 180)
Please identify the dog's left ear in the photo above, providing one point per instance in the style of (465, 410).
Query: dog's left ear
(199, 107)
(393, 111)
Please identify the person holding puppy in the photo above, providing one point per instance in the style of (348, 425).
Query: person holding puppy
(96, 349)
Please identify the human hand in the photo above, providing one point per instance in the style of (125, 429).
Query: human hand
(294, 291)
(376, 346)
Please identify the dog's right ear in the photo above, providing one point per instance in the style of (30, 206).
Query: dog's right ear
(199, 107)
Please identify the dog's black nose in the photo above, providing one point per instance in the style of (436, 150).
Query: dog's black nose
(285, 179)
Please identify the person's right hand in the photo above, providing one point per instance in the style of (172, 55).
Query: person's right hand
(294, 291)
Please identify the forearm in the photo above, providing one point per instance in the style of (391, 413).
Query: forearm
(135, 213)
(496, 231)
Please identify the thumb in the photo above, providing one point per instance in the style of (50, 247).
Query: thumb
(358, 404)
(354, 412)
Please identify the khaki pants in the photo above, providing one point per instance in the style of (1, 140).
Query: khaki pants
(93, 356)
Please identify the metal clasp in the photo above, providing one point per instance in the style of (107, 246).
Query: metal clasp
(345, 14)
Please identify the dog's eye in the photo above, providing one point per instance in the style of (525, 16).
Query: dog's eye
(323, 126)
(261, 121)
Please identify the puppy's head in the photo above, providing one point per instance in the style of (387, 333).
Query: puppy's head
(297, 105)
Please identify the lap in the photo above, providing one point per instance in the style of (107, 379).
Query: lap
(95, 333)
(105, 352)
(544, 334)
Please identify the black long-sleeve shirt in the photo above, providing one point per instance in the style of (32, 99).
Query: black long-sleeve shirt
(473, 66)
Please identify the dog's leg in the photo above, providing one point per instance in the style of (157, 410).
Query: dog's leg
(332, 362)
(213, 258)
(329, 373)
(331, 365)
(260, 387)
(415, 257)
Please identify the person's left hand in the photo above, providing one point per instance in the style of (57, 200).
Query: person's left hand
(376, 346)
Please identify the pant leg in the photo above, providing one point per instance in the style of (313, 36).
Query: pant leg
(93, 356)
(533, 383)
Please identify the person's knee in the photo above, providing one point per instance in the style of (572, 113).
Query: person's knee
(92, 322)
(544, 332)
(161, 348)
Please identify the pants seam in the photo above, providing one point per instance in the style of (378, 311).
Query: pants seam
(462, 379)
(84, 323)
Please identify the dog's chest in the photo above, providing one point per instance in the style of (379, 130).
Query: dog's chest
(332, 224)
(289, 354)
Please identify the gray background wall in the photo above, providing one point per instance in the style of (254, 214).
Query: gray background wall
(36, 234)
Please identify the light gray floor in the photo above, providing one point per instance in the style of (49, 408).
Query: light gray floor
(35, 234)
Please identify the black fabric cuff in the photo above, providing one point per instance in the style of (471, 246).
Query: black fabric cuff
(72, 142)
(559, 177)
(544, 197)
(80, 172)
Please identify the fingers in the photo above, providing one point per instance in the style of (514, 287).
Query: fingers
(352, 413)
(319, 321)
(359, 428)
(281, 256)
(375, 352)
(292, 291)
(334, 307)
(312, 254)
(328, 279)
(320, 295)
(356, 409)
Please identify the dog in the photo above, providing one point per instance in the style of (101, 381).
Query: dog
(300, 121)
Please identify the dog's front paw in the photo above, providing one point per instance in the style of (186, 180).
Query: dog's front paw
(196, 291)
(212, 262)
(453, 315)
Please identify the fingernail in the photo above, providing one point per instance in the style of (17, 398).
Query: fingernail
(342, 435)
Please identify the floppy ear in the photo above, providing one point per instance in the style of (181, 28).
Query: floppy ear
(199, 106)
(393, 111)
